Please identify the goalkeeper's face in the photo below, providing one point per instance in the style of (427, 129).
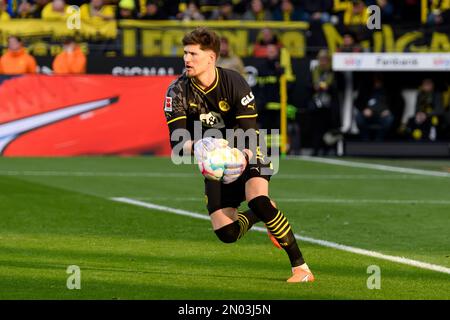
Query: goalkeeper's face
(198, 61)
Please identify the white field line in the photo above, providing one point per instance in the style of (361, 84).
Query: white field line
(381, 167)
(316, 200)
(190, 175)
(401, 260)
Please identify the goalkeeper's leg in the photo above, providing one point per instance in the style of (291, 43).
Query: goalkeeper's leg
(229, 224)
(279, 227)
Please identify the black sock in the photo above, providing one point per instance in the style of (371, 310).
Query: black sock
(246, 220)
(279, 226)
(282, 231)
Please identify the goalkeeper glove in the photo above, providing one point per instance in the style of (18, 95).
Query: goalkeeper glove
(233, 170)
(205, 145)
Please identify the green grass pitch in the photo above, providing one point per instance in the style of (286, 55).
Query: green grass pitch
(58, 212)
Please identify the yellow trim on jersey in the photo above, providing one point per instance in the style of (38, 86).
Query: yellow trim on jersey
(247, 116)
(178, 118)
(212, 88)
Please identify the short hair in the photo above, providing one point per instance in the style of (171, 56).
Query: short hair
(207, 39)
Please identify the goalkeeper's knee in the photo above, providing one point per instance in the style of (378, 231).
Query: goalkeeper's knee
(229, 233)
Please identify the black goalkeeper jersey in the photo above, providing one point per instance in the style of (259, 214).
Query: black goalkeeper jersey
(226, 104)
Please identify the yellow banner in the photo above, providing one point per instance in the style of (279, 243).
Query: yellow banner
(32, 28)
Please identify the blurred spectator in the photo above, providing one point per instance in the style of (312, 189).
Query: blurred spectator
(354, 12)
(240, 6)
(267, 93)
(324, 104)
(386, 9)
(286, 11)
(71, 60)
(357, 15)
(31, 9)
(55, 10)
(191, 13)
(4, 16)
(424, 124)
(16, 60)
(407, 11)
(257, 12)
(170, 7)
(225, 12)
(227, 59)
(439, 16)
(349, 43)
(374, 114)
(96, 12)
(265, 38)
(272, 5)
(268, 86)
(127, 9)
(154, 11)
(445, 128)
(318, 10)
(208, 7)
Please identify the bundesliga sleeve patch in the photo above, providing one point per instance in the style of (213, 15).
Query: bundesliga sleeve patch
(168, 104)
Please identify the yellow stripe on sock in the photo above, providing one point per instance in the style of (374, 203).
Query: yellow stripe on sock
(244, 217)
(284, 233)
(279, 226)
(275, 225)
(271, 222)
(242, 224)
(243, 227)
(244, 220)
(279, 230)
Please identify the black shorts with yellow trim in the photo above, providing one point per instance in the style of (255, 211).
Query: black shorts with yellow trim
(219, 195)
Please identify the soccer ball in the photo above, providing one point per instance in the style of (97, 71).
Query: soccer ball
(213, 166)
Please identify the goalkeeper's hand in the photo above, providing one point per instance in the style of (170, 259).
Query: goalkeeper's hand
(233, 170)
(205, 145)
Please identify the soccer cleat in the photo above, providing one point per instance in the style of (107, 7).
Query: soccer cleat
(273, 239)
(300, 275)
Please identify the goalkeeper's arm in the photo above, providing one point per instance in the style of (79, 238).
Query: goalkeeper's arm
(187, 144)
(250, 148)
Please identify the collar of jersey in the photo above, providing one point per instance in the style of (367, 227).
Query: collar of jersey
(208, 90)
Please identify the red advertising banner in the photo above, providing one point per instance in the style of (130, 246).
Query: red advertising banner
(83, 115)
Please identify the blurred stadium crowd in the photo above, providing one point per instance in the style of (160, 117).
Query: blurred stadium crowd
(348, 12)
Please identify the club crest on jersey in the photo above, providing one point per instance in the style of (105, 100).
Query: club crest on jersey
(224, 106)
(247, 99)
(168, 104)
(212, 120)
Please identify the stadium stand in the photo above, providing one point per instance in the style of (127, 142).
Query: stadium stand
(142, 37)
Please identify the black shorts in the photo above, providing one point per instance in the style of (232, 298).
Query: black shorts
(220, 195)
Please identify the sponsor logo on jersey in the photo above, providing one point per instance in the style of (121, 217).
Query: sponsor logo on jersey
(224, 106)
(168, 104)
(212, 120)
(247, 99)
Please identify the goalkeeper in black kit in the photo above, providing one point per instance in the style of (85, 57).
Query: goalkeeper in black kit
(209, 97)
